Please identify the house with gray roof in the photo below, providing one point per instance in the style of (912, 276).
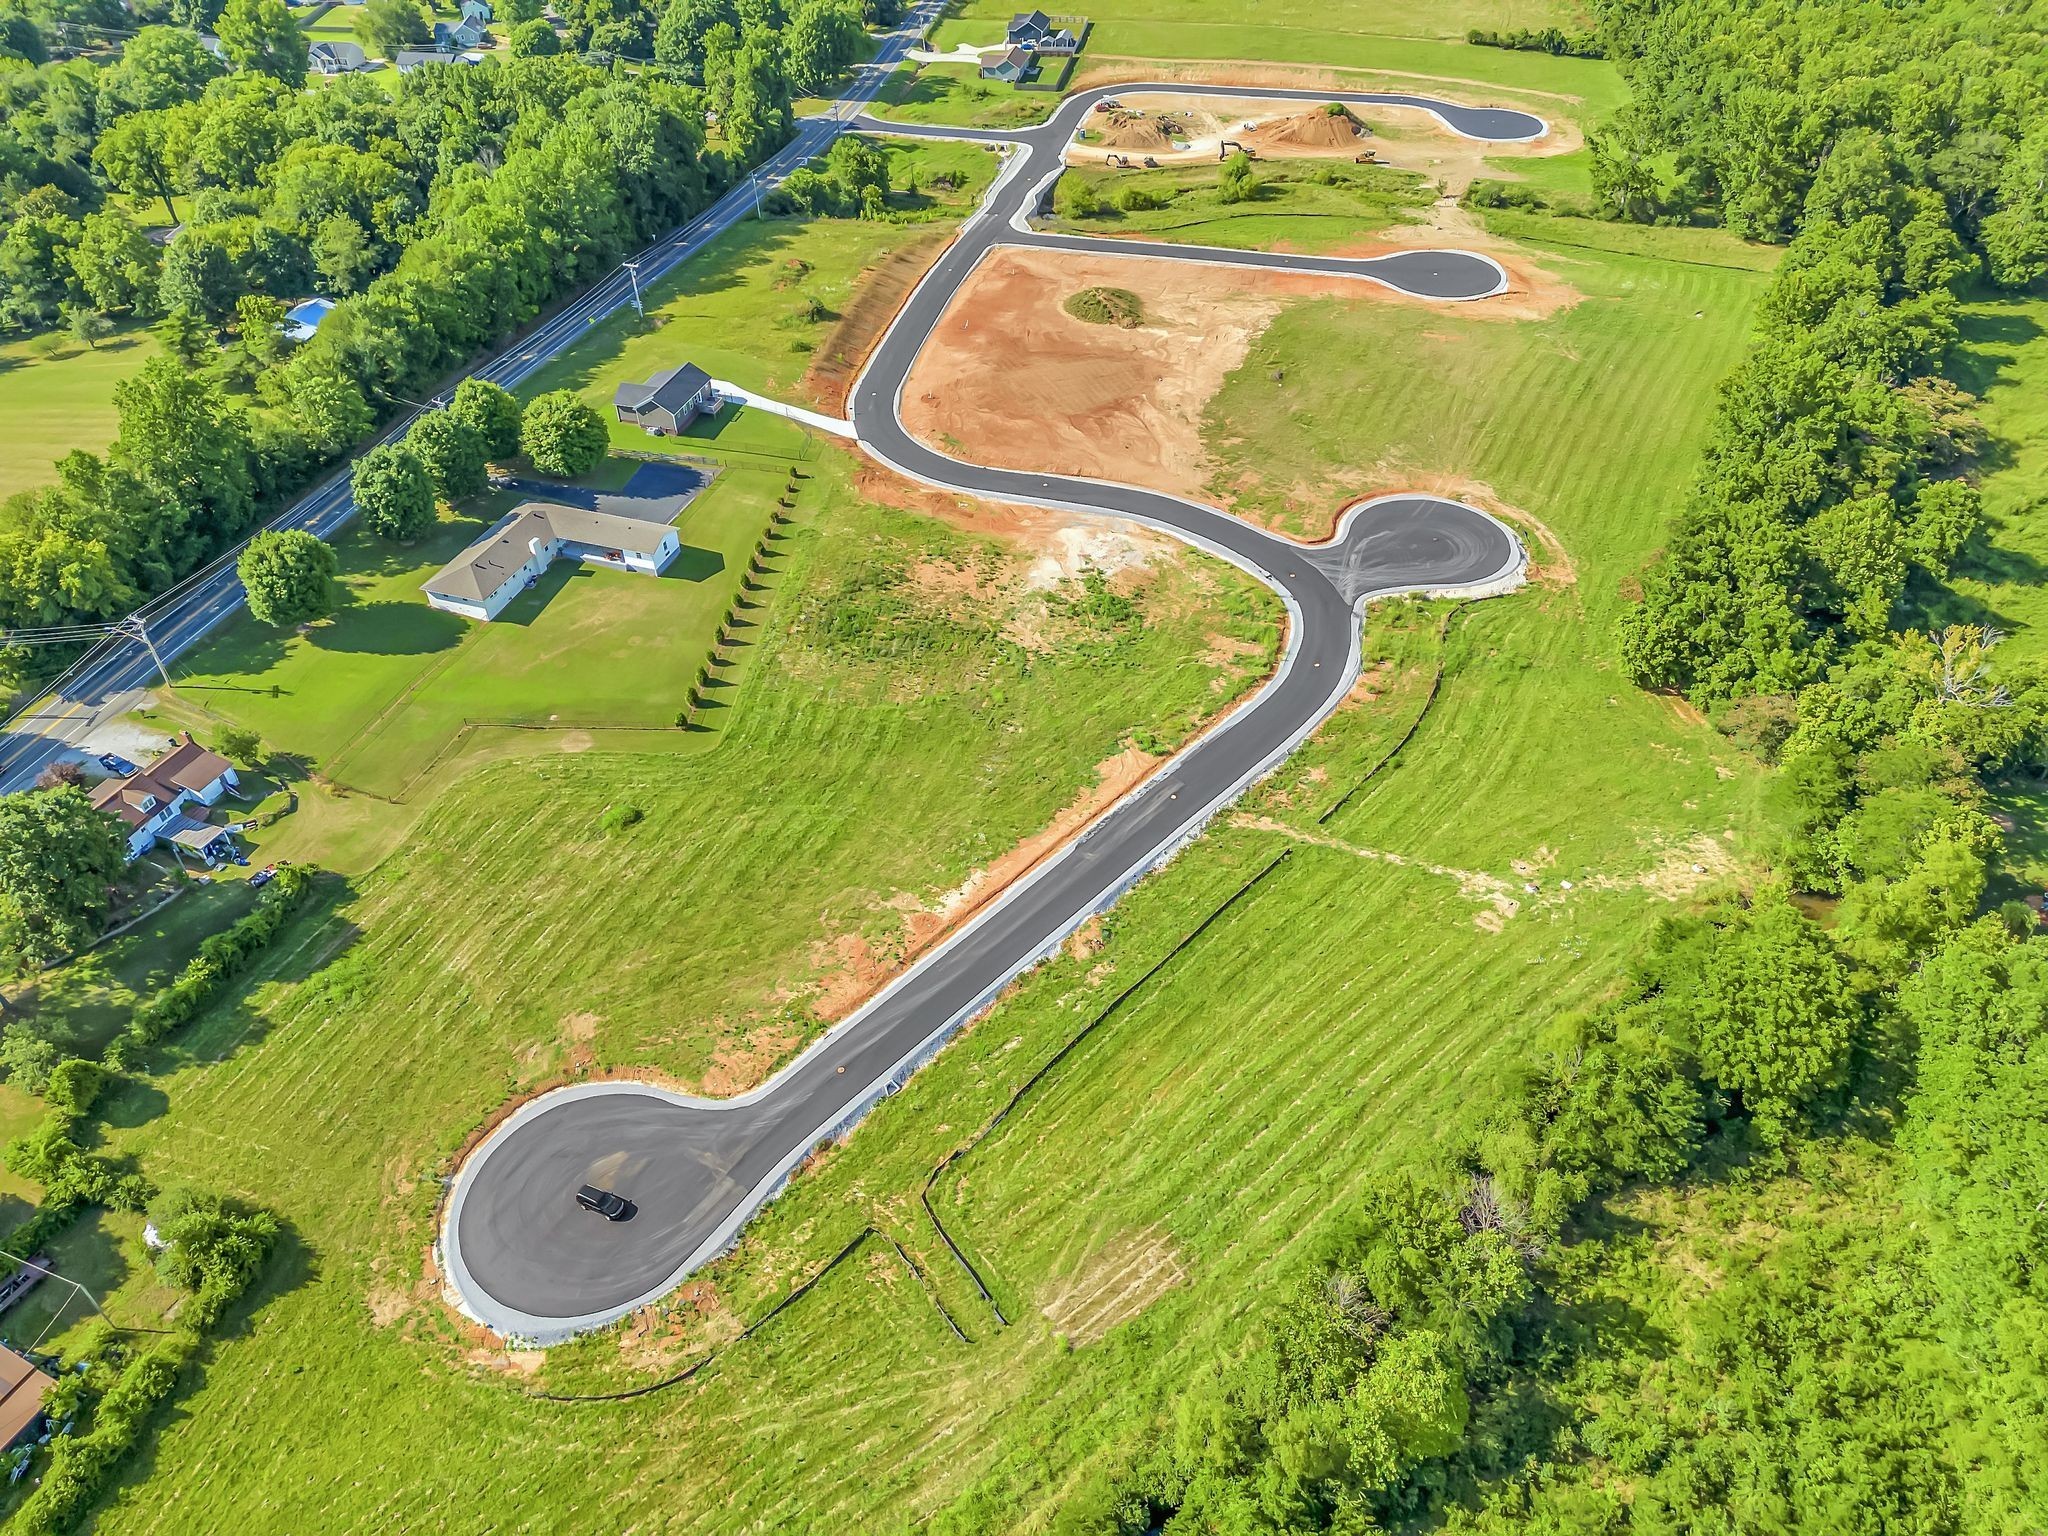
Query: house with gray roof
(410, 59)
(324, 58)
(456, 36)
(480, 581)
(668, 402)
(1009, 66)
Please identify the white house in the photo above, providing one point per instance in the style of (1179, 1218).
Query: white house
(152, 801)
(480, 581)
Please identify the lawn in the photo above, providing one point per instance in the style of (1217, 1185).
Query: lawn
(374, 697)
(57, 395)
(1410, 40)
(87, 1001)
(955, 95)
(982, 21)
(1345, 1009)
(756, 307)
(1299, 205)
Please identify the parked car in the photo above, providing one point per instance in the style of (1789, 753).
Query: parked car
(114, 763)
(263, 877)
(608, 1205)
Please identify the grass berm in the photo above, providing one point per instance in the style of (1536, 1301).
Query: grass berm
(1107, 306)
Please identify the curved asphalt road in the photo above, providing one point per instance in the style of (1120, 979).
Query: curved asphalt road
(523, 1258)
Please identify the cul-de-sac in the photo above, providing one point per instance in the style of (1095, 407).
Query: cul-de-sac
(1205, 768)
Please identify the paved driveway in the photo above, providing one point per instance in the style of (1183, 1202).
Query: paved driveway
(657, 493)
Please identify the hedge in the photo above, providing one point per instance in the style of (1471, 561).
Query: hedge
(81, 1466)
(219, 960)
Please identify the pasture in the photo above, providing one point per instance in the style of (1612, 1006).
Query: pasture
(1329, 983)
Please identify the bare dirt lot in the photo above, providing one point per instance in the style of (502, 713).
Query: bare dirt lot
(1104, 401)
(1405, 138)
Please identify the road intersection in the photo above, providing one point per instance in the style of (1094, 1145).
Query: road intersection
(518, 1254)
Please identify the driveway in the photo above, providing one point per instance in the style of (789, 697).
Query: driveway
(656, 493)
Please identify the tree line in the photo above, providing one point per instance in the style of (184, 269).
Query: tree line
(1485, 1343)
(441, 213)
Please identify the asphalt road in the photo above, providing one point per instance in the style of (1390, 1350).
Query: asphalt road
(104, 684)
(525, 1259)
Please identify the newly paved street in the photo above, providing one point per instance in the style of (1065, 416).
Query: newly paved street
(525, 1259)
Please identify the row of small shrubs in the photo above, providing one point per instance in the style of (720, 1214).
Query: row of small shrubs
(1487, 193)
(1553, 40)
(222, 957)
(752, 580)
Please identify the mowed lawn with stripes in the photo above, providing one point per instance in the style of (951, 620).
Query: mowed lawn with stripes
(1288, 1025)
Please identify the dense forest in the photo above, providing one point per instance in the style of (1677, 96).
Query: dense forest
(1829, 1093)
(442, 210)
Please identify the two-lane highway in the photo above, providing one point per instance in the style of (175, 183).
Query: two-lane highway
(521, 1256)
(104, 683)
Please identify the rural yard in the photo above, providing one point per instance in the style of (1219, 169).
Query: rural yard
(951, 769)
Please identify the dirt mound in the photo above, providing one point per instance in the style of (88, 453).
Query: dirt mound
(1319, 129)
(1134, 130)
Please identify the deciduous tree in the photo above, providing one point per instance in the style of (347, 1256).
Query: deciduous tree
(394, 491)
(58, 858)
(563, 436)
(289, 577)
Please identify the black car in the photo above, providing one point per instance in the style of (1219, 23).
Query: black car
(608, 1205)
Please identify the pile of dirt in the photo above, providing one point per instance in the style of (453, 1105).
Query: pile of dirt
(1107, 306)
(1134, 130)
(1319, 129)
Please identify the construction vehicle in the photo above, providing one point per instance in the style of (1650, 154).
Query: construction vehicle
(1223, 150)
(1119, 160)
(1365, 157)
(1151, 164)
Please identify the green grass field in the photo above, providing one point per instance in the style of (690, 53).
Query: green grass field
(1410, 39)
(982, 21)
(57, 395)
(956, 95)
(1339, 1015)
(755, 308)
(1300, 205)
(373, 698)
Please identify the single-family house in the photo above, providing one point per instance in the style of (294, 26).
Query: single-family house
(1059, 41)
(304, 317)
(457, 36)
(478, 11)
(668, 402)
(325, 58)
(480, 581)
(1026, 28)
(22, 1390)
(1009, 66)
(152, 802)
(410, 59)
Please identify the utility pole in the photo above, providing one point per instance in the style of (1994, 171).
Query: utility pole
(633, 276)
(135, 626)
